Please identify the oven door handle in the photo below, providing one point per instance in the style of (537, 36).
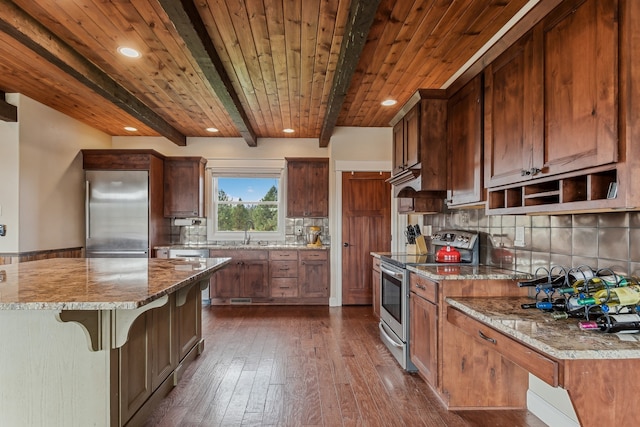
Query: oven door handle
(392, 273)
(388, 338)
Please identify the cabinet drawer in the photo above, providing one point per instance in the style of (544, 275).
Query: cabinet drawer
(283, 255)
(424, 287)
(538, 364)
(240, 254)
(284, 268)
(284, 287)
(376, 264)
(311, 255)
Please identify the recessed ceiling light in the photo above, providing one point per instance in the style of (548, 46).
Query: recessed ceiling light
(129, 52)
(212, 130)
(130, 128)
(389, 102)
(288, 130)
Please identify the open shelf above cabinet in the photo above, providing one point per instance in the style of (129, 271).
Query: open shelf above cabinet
(598, 188)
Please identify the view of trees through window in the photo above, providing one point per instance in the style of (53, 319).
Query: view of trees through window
(247, 201)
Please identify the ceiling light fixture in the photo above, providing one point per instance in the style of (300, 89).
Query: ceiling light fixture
(288, 130)
(129, 52)
(389, 102)
(130, 129)
(212, 130)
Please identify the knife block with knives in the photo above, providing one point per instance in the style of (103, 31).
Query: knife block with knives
(416, 243)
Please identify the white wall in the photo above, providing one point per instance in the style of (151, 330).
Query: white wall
(9, 180)
(227, 148)
(47, 174)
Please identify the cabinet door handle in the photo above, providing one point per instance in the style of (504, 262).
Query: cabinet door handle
(419, 286)
(486, 338)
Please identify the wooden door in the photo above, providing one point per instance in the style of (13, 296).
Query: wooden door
(228, 281)
(256, 279)
(412, 137)
(318, 189)
(162, 337)
(465, 144)
(135, 369)
(366, 228)
(513, 111)
(313, 274)
(189, 323)
(580, 81)
(398, 147)
(423, 337)
(184, 187)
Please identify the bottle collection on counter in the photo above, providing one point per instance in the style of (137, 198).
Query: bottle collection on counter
(601, 299)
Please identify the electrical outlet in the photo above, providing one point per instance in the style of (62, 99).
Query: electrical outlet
(298, 230)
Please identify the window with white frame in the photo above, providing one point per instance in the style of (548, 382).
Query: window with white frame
(245, 200)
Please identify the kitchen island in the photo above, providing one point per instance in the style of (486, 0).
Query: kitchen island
(600, 371)
(91, 341)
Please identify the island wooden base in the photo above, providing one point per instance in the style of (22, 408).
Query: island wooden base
(65, 373)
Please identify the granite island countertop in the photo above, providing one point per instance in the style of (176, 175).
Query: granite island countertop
(561, 339)
(98, 283)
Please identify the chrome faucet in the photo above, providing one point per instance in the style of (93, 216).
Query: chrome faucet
(247, 238)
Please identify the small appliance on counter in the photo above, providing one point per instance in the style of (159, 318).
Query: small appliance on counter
(313, 237)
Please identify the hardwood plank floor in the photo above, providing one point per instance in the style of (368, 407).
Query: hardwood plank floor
(306, 366)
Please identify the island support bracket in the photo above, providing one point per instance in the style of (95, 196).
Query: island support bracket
(92, 322)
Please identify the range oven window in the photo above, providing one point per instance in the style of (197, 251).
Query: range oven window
(392, 296)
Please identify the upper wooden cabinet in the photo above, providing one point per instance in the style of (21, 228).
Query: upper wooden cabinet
(550, 99)
(513, 112)
(419, 176)
(307, 187)
(580, 87)
(184, 186)
(465, 145)
(406, 141)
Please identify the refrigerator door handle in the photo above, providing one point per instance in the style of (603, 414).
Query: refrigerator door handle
(87, 212)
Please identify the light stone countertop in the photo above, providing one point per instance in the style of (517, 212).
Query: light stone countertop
(466, 272)
(98, 283)
(250, 246)
(561, 339)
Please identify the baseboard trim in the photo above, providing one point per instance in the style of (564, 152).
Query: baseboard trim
(549, 414)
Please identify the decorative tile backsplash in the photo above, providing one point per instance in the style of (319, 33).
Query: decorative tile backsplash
(597, 240)
(197, 234)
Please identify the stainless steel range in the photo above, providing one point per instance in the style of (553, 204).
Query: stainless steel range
(394, 288)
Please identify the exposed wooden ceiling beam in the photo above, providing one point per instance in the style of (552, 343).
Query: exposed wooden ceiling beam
(355, 36)
(8, 112)
(26, 30)
(189, 24)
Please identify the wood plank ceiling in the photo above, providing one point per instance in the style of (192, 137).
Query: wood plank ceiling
(249, 68)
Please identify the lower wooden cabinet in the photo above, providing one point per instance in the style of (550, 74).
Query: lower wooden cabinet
(275, 276)
(375, 286)
(313, 273)
(423, 337)
(283, 269)
(160, 340)
(246, 276)
(451, 360)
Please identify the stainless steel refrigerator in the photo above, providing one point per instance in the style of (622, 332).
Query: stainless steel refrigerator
(117, 214)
